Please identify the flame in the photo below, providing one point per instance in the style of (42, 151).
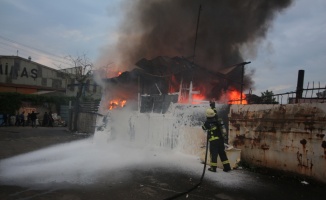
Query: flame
(123, 103)
(197, 98)
(110, 73)
(235, 97)
(117, 103)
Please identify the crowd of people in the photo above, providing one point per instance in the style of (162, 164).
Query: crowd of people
(28, 119)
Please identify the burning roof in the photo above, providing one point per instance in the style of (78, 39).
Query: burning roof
(164, 75)
(150, 29)
(159, 72)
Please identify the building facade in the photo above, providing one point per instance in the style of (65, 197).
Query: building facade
(25, 76)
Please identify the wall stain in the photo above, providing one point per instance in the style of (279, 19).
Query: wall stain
(264, 146)
(303, 142)
(293, 133)
(323, 144)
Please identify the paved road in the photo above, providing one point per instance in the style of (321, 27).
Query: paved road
(157, 182)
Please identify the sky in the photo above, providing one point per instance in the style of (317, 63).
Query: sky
(48, 31)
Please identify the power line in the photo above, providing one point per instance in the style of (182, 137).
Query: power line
(23, 53)
(33, 50)
(42, 51)
(5, 47)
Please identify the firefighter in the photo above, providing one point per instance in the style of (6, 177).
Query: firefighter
(216, 141)
(220, 121)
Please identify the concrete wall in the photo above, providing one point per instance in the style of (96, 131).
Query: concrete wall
(287, 137)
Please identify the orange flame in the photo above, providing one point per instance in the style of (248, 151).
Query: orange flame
(117, 104)
(235, 97)
(123, 103)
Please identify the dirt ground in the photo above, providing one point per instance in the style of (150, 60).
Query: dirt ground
(158, 183)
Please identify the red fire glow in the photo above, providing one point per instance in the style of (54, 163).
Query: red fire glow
(197, 98)
(173, 85)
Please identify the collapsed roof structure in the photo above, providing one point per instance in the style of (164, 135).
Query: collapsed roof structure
(168, 80)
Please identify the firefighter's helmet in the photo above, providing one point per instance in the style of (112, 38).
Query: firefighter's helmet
(210, 112)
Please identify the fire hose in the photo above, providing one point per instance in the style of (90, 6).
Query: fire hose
(197, 185)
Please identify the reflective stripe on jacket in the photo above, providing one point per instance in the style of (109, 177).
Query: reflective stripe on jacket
(213, 130)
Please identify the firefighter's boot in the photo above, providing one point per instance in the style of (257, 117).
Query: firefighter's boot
(227, 167)
(212, 169)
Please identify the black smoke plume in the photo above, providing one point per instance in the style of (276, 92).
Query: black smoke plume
(152, 28)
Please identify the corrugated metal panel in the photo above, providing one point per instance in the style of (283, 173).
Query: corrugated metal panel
(285, 137)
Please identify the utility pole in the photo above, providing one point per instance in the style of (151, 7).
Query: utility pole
(242, 77)
(193, 60)
(299, 90)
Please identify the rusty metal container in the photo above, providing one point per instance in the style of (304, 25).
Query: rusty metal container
(287, 137)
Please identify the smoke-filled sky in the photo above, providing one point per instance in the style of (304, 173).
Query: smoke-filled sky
(278, 37)
(168, 28)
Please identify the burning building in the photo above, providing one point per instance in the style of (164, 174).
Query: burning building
(165, 43)
(159, 36)
(164, 80)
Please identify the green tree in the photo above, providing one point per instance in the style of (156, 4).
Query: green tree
(268, 97)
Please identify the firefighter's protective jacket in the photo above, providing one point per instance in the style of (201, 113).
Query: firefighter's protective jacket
(213, 128)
